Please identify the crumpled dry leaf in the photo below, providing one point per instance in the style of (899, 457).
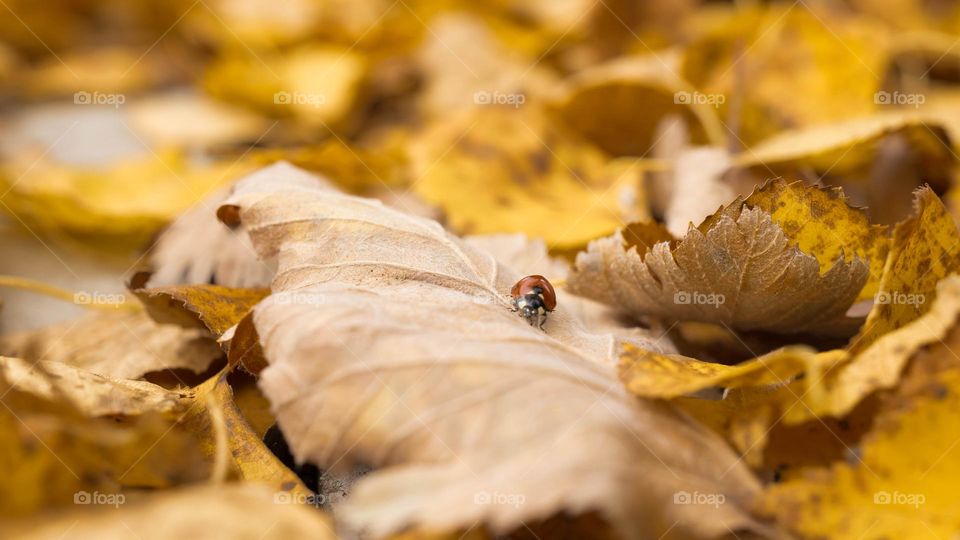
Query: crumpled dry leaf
(516, 171)
(56, 446)
(208, 435)
(833, 383)
(924, 250)
(421, 361)
(739, 268)
(122, 344)
(209, 512)
(904, 480)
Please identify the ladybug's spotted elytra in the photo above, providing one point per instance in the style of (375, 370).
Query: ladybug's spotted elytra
(534, 297)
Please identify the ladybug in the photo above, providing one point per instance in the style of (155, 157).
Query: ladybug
(533, 297)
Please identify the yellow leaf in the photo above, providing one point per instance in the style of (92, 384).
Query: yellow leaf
(512, 170)
(822, 223)
(317, 84)
(618, 105)
(878, 159)
(117, 207)
(213, 307)
(903, 483)
(925, 249)
(787, 65)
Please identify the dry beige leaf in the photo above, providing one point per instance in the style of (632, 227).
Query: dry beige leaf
(391, 343)
(741, 272)
(210, 511)
(121, 344)
(197, 249)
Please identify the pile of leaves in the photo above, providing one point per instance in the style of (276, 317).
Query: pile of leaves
(299, 225)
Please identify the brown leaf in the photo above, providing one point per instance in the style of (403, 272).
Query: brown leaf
(392, 344)
(742, 271)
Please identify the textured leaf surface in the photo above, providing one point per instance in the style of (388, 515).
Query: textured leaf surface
(391, 343)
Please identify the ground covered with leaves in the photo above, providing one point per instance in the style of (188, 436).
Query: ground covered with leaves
(257, 261)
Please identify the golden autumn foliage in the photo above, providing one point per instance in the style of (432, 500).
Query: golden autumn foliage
(261, 269)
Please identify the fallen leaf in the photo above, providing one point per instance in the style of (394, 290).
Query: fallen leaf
(316, 83)
(902, 484)
(924, 250)
(618, 105)
(740, 268)
(122, 344)
(394, 305)
(197, 249)
(58, 450)
(517, 171)
(213, 307)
